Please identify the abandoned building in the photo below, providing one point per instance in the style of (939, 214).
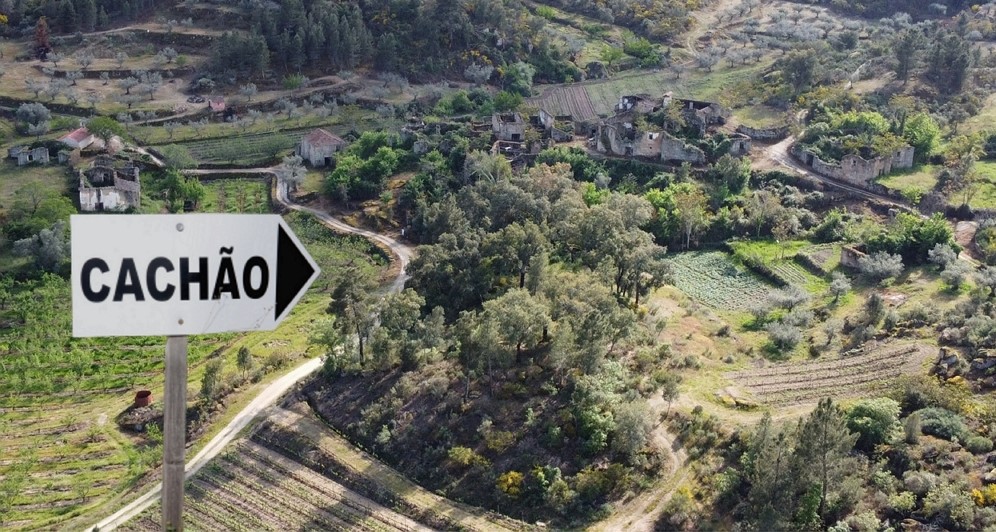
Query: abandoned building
(622, 138)
(78, 139)
(740, 144)
(25, 155)
(855, 169)
(109, 185)
(640, 103)
(558, 128)
(319, 147)
(702, 115)
(508, 127)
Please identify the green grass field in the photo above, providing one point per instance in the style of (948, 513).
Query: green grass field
(984, 120)
(922, 177)
(778, 257)
(713, 278)
(760, 116)
(257, 147)
(985, 198)
(346, 117)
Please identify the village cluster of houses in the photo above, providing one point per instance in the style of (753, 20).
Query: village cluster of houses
(106, 184)
(619, 134)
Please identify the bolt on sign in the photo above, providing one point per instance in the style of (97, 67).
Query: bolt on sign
(177, 275)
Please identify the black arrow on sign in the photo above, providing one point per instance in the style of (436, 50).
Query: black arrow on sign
(293, 271)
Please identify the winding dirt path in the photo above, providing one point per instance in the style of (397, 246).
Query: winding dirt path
(641, 512)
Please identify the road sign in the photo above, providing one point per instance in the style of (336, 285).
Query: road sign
(177, 275)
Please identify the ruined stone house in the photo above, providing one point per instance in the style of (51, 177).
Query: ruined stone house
(319, 147)
(740, 144)
(24, 155)
(622, 138)
(559, 128)
(640, 103)
(109, 185)
(702, 115)
(855, 169)
(508, 127)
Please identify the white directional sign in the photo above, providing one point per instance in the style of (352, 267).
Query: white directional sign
(184, 274)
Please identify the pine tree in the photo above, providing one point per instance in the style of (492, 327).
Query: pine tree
(296, 55)
(767, 468)
(68, 20)
(88, 15)
(824, 441)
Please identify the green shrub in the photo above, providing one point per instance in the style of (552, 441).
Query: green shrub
(978, 445)
(875, 421)
(902, 503)
(943, 424)
(466, 456)
(499, 440)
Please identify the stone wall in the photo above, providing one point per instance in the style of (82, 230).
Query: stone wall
(674, 149)
(853, 168)
(764, 133)
(849, 256)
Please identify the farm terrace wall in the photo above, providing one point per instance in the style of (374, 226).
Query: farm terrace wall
(764, 133)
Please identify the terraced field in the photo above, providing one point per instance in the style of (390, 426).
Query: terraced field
(294, 473)
(826, 256)
(567, 100)
(848, 376)
(253, 488)
(710, 277)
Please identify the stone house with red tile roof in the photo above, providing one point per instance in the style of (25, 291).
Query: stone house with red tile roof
(319, 147)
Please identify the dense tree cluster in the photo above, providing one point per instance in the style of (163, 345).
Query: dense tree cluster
(69, 16)
(516, 274)
(414, 38)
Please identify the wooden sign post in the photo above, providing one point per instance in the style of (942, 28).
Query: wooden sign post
(178, 275)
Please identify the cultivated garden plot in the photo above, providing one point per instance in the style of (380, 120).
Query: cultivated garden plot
(253, 488)
(850, 375)
(567, 100)
(710, 277)
(247, 196)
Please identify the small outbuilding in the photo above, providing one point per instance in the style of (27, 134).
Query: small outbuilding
(78, 139)
(24, 155)
(319, 147)
(217, 104)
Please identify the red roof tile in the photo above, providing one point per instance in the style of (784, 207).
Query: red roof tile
(320, 137)
(76, 136)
